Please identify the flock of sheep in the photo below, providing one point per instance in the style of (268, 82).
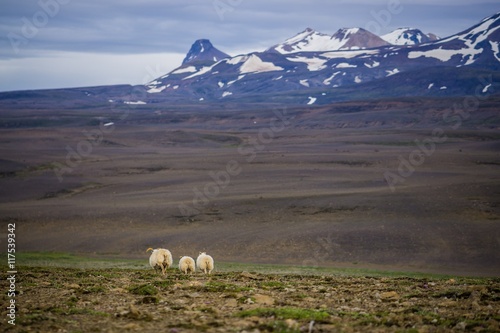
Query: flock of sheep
(162, 259)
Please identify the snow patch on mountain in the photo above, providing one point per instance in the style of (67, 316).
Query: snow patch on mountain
(134, 102)
(255, 65)
(313, 64)
(305, 83)
(345, 65)
(312, 100)
(392, 72)
(372, 65)
(496, 50)
(155, 90)
(329, 80)
(485, 89)
(446, 54)
(238, 78)
(189, 69)
(201, 71)
(350, 54)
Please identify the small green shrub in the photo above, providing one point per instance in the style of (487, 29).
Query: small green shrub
(143, 289)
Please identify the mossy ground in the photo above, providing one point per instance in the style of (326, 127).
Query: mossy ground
(80, 299)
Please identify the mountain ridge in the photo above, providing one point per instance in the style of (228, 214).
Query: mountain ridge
(301, 77)
(282, 68)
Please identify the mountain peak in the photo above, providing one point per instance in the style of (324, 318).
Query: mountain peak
(203, 50)
(357, 38)
(310, 40)
(408, 36)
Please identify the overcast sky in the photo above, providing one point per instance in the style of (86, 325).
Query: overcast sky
(75, 43)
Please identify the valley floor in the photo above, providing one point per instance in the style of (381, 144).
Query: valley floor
(317, 187)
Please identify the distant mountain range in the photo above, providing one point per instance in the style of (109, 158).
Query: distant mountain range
(312, 67)
(316, 68)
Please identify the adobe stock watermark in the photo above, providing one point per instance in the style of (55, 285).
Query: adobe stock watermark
(84, 148)
(454, 117)
(222, 7)
(30, 26)
(220, 179)
(11, 274)
(382, 18)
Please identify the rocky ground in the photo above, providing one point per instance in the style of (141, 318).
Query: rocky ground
(54, 299)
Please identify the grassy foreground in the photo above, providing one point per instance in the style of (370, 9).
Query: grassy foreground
(67, 293)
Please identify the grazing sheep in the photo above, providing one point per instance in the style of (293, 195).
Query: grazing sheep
(160, 258)
(186, 265)
(205, 263)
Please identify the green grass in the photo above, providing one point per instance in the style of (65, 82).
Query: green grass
(309, 270)
(105, 262)
(143, 289)
(59, 259)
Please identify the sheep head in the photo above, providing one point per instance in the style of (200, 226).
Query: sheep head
(149, 249)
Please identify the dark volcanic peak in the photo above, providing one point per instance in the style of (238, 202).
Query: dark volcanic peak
(357, 38)
(203, 50)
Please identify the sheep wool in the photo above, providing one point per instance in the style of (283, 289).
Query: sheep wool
(205, 263)
(186, 265)
(160, 259)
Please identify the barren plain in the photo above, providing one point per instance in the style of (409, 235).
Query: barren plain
(389, 184)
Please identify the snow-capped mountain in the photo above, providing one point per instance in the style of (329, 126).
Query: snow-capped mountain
(408, 36)
(357, 38)
(344, 61)
(203, 50)
(310, 40)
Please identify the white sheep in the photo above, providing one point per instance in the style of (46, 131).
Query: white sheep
(186, 265)
(160, 258)
(205, 263)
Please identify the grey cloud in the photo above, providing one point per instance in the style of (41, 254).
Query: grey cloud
(115, 26)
